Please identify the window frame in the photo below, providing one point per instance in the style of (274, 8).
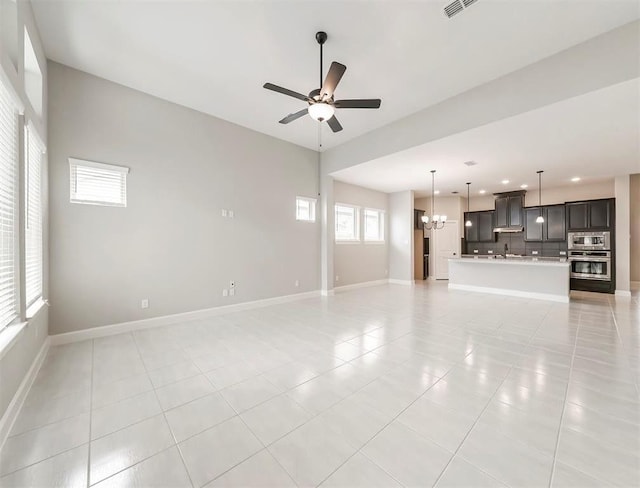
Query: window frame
(73, 195)
(356, 224)
(381, 225)
(312, 209)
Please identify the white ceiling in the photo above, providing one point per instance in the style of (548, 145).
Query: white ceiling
(593, 136)
(215, 56)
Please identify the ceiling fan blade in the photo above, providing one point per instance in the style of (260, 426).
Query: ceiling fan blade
(334, 124)
(333, 78)
(292, 117)
(358, 103)
(286, 91)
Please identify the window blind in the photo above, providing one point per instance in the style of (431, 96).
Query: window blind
(34, 153)
(97, 183)
(8, 206)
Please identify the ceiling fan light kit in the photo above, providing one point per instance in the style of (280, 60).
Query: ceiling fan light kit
(321, 104)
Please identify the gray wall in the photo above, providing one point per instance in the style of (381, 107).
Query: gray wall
(362, 261)
(16, 361)
(401, 236)
(170, 244)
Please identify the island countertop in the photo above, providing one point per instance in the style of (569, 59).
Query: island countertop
(527, 261)
(519, 276)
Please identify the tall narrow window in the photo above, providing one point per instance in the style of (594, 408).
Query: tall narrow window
(373, 225)
(8, 207)
(97, 183)
(34, 153)
(347, 223)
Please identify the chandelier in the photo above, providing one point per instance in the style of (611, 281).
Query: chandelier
(435, 222)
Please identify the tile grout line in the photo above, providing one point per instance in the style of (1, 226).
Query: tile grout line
(164, 415)
(93, 346)
(511, 367)
(615, 322)
(564, 404)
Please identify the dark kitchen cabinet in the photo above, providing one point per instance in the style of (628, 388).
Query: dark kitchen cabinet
(502, 212)
(553, 228)
(417, 219)
(599, 213)
(471, 233)
(590, 215)
(481, 229)
(554, 223)
(577, 216)
(532, 229)
(485, 227)
(509, 209)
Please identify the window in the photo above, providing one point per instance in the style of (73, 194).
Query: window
(34, 153)
(8, 207)
(97, 183)
(305, 209)
(347, 223)
(373, 225)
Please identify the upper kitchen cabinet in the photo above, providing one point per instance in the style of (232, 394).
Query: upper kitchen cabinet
(554, 223)
(552, 230)
(509, 209)
(417, 219)
(481, 229)
(590, 215)
(485, 227)
(471, 233)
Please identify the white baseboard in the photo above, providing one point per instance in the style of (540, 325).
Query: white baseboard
(327, 293)
(393, 281)
(623, 293)
(108, 330)
(364, 284)
(513, 293)
(11, 414)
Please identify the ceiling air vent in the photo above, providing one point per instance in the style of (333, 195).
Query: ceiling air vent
(453, 8)
(457, 6)
(470, 163)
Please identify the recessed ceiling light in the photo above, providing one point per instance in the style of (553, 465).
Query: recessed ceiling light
(482, 192)
(524, 185)
(437, 192)
(575, 178)
(505, 182)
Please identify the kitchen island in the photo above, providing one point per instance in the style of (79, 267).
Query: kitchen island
(520, 277)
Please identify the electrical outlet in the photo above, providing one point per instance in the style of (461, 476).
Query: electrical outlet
(337, 278)
(297, 283)
(224, 212)
(489, 251)
(232, 284)
(475, 251)
(232, 292)
(231, 214)
(144, 303)
(535, 253)
(225, 292)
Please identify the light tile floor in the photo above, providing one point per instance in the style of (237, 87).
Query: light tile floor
(381, 386)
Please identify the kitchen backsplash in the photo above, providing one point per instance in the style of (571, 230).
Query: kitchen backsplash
(516, 245)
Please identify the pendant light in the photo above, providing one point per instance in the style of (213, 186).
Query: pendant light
(540, 219)
(468, 223)
(436, 221)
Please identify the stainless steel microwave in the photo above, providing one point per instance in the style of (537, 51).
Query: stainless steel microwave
(589, 241)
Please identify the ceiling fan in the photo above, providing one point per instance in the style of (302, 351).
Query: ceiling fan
(321, 104)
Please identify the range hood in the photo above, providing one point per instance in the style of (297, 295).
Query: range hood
(506, 230)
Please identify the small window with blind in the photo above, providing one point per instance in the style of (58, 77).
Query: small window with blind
(8, 207)
(347, 223)
(98, 183)
(34, 154)
(306, 209)
(373, 225)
